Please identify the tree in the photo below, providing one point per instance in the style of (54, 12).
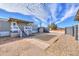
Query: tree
(52, 26)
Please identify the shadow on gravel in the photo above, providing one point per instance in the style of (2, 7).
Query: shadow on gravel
(45, 37)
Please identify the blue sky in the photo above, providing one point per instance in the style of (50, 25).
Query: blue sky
(62, 14)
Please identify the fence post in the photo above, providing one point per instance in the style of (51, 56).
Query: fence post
(73, 30)
(65, 31)
(76, 32)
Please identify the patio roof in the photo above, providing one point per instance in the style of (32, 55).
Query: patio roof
(19, 20)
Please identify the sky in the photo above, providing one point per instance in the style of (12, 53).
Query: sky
(62, 14)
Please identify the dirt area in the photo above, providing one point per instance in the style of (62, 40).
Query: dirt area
(65, 45)
(45, 37)
(4, 40)
(21, 47)
(42, 45)
(40, 36)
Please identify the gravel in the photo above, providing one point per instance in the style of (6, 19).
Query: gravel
(64, 45)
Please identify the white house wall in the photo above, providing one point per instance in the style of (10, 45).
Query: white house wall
(4, 33)
(4, 28)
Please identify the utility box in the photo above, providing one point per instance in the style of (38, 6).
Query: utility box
(43, 30)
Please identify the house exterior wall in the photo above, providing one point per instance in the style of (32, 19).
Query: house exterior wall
(20, 23)
(21, 26)
(4, 26)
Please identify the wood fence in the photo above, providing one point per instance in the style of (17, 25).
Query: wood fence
(74, 31)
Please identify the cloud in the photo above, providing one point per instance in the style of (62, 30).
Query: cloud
(53, 8)
(70, 10)
(26, 9)
(15, 7)
(68, 13)
(38, 11)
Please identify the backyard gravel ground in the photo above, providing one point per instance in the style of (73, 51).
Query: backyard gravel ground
(45, 44)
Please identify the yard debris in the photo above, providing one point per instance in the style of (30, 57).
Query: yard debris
(56, 40)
